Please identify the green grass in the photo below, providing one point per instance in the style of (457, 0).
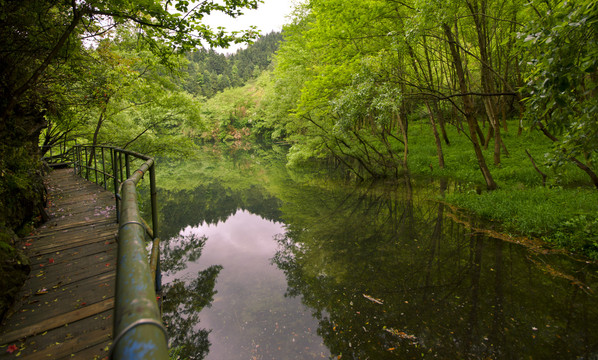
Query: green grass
(514, 170)
(565, 218)
(564, 213)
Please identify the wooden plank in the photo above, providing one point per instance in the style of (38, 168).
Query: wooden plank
(99, 351)
(50, 259)
(77, 242)
(75, 270)
(71, 347)
(57, 321)
(62, 299)
(83, 223)
(80, 231)
(46, 342)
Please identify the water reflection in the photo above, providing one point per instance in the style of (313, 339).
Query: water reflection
(389, 277)
(305, 270)
(250, 317)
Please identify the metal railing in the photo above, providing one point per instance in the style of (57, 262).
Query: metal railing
(138, 329)
(59, 154)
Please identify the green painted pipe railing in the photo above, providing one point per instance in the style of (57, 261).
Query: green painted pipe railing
(138, 329)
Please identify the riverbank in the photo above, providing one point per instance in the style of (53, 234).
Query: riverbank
(563, 212)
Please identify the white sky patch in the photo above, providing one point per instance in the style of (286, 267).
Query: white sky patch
(270, 16)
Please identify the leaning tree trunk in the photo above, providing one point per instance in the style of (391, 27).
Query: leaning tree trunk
(468, 108)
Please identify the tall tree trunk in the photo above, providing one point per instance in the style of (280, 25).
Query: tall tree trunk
(436, 137)
(496, 128)
(487, 81)
(403, 126)
(435, 107)
(97, 131)
(441, 123)
(468, 108)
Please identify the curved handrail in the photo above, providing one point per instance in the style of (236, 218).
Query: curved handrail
(138, 330)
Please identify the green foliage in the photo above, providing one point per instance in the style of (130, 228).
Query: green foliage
(235, 115)
(563, 213)
(14, 268)
(561, 49)
(514, 171)
(579, 234)
(291, 71)
(21, 191)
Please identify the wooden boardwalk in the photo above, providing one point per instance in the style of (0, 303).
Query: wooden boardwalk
(65, 309)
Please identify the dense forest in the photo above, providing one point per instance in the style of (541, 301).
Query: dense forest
(499, 95)
(209, 72)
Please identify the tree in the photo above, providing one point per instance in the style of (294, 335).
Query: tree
(562, 49)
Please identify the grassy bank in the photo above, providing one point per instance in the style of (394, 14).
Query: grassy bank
(564, 213)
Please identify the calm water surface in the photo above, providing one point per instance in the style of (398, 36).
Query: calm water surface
(262, 263)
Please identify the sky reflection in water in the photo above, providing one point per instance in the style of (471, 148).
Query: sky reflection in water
(250, 316)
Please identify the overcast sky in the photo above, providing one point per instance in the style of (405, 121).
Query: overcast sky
(270, 15)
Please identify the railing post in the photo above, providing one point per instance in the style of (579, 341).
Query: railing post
(127, 166)
(79, 159)
(120, 165)
(95, 163)
(155, 227)
(86, 165)
(115, 177)
(75, 159)
(104, 168)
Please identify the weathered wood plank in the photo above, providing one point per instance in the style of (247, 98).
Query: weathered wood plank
(44, 259)
(52, 302)
(55, 229)
(57, 321)
(79, 240)
(69, 348)
(75, 336)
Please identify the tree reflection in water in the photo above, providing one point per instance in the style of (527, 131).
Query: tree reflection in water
(183, 299)
(388, 276)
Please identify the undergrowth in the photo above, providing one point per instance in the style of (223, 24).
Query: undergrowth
(564, 212)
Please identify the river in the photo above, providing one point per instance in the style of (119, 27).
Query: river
(261, 262)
